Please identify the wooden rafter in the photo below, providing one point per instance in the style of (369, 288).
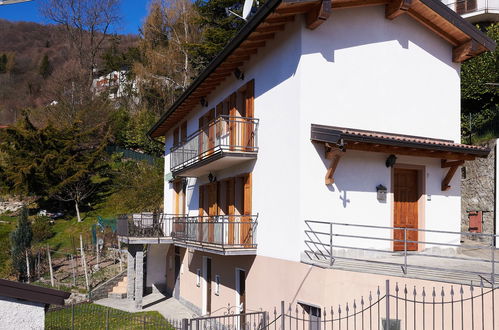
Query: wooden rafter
(319, 14)
(396, 8)
(453, 166)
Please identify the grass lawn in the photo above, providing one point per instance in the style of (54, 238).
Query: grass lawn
(91, 316)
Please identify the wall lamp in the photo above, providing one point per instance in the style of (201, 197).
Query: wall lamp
(238, 74)
(391, 160)
(203, 102)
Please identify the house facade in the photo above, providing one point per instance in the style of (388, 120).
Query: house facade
(323, 131)
(476, 11)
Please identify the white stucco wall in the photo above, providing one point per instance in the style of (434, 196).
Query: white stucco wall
(20, 314)
(357, 70)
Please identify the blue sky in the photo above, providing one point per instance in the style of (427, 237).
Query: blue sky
(133, 12)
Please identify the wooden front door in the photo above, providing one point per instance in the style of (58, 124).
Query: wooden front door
(406, 196)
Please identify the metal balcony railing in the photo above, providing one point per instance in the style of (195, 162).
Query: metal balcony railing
(453, 256)
(224, 231)
(463, 7)
(145, 225)
(224, 134)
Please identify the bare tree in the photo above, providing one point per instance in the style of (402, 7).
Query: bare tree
(87, 23)
(76, 192)
(169, 29)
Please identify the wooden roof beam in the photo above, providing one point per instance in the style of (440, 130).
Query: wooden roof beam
(465, 51)
(280, 19)
(319, 14)
(270, 28)
(395, 8)
(261, 36)
(453, 166)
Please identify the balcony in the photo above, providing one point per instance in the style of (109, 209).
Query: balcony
(145, 228)
(224, 235)
(436, 255)
(475, 11)
(224, 142)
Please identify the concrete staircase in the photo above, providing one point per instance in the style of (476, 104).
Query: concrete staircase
(119, 291)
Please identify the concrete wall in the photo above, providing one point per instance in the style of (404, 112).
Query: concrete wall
(20, 314)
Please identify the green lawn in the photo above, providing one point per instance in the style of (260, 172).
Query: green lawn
(91, 316)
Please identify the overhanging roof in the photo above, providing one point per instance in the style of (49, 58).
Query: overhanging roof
(272, 17)
(356, 139)
(32, 293)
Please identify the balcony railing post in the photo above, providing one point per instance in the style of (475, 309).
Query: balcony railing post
(405, 250)
(331, 259)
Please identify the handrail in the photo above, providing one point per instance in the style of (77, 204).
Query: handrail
(327, 241)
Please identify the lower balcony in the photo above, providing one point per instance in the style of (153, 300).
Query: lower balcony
(145, 228)
(225, 235)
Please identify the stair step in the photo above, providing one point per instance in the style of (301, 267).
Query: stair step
(114, 295)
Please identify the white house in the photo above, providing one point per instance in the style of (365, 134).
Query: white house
(23, 306)
(318, 130)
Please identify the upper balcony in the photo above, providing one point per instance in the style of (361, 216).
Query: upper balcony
(475, 11)
(222, 143)
(221, 234)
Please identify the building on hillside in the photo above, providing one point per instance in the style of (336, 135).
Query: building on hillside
(315, 157)
(115, 83)
(23, 306)
(476, 11)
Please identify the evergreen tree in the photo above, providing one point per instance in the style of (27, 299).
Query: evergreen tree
(479, 97)
(45, 69)
(20, 243)
(3, 63)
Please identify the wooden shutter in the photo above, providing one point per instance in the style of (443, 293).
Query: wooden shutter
(232, 123)
(249, 135)
(246, 227)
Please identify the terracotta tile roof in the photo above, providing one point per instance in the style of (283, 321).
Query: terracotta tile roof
(334, 134)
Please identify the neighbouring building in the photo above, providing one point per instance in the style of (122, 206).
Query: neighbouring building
(476, 11)
(116, 84)
(317, 155)
(23, 306)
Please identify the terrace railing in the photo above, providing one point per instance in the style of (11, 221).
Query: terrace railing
(452, 255)
(225, 232)
(224, 134)
(145, 225)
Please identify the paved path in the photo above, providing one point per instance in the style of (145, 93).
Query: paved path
(169, 307)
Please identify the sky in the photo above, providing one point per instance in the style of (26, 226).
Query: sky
(133, 12)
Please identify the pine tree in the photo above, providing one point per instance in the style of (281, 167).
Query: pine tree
(45, 68)
(20, 243)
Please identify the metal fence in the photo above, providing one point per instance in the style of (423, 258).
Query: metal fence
(224, 134)
(225, 231)
(396, 308)
(410, 250)
(90, 316)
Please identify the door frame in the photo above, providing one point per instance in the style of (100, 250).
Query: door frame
(204, 284)
(421, 169)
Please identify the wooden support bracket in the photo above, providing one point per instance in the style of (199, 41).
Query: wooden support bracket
(453, 166)
(465, 51)
(319, 14)
(333, 154)
(395, 8)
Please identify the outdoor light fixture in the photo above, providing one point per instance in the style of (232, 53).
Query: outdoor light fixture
(381, 192)
(203, 102)
(390, 161)
(238, 74)
(211, 178)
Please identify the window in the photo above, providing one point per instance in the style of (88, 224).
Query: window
(217, 285)
(198, 277)
(314, 316)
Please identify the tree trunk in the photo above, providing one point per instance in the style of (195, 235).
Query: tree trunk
(77, 212)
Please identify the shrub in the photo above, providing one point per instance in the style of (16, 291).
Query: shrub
(42, 230)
